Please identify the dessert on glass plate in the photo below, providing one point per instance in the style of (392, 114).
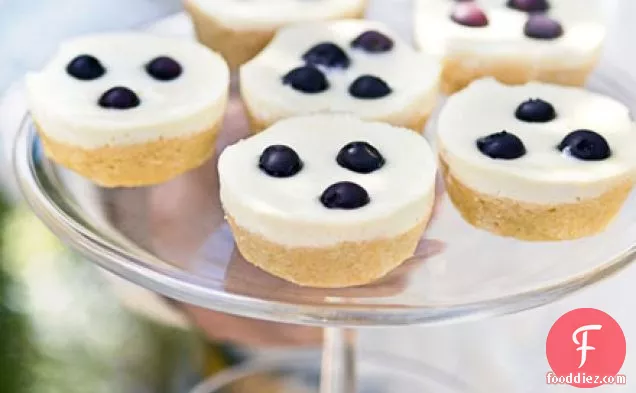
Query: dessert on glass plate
(536, 161)
(239, 29)
(328, 200)
(129, 109)
(359, 67)
(516, 41)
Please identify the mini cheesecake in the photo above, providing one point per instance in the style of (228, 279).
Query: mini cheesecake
(357, 67)
(515, 41)
(328, 200)
(239, 29)
(129, 109)
(536, 161)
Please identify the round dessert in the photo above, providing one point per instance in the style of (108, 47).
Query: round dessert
(356, 67)
(515, 41)
(129, 109)
(536, 161)
(328, 200)
(239, 29)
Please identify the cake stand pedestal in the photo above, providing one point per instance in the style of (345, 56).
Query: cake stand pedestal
(172, 239)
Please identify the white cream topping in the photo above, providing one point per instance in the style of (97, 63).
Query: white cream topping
(412, 76)
(268, 14)
(67, 108)
(544, 174)
(288, 210)
(583, 23)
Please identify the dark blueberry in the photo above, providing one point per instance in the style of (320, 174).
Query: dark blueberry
(529, 5)
(542, 27)
(535, 111)
(85, 67)
(369, 87)
(344, 195)
(585, 145)
(306, 79)
(373, 41)
(501, 145)
(360, 157)
(280, 161)
(469, 14)
(164, 68)
(119, 98)
(327, 54)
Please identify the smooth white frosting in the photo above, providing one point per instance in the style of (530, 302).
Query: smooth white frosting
(412, 76)
(66, 108)
(288, 210)
(583, 23)
(268, 14)
(543, 175)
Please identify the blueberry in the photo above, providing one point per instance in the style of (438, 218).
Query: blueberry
(369, 87)
(280, 161)
(327, 54)
(306, 79)
(542, 27)
(119, 98)
(360, 157)
(373, 41)
(585, 145)
(535, 111)
(469, 14)
(164, 68)
(501, 145)
(529, 5)
(344, 195)
(85, 67)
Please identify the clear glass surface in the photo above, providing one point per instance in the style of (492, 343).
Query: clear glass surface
(172, 238)
(299, 373)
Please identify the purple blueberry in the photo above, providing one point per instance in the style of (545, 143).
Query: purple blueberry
(585, 145)
(542, 27)
(360, 157)
(164, 68)
(119, 98)
(344, 195)
(369, 87)
(535, 111)
(85, 67)
(373, 41)
(529, 5)
(280, 161)
(469, 14)
(327, 54)
(501, 146)
(306, 79)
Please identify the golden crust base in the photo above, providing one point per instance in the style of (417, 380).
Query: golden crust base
(416, 123)
(344, 265)
(535, 222)
(236, 46)
(459, 71)
(134, 165)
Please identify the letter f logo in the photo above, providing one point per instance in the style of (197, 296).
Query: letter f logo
(583, 344)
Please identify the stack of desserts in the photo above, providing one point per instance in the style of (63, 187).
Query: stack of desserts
(338, 184)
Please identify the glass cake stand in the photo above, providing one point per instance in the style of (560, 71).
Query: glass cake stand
(172, 239)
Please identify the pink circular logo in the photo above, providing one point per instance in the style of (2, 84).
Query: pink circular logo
(585, 348)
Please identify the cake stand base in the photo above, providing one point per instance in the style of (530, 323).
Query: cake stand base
(300, 373)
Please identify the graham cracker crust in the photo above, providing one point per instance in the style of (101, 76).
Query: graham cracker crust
(535, 222)
(459, 71)
(237, 46)
(417, 123)
(134, 165)
(343, 265)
